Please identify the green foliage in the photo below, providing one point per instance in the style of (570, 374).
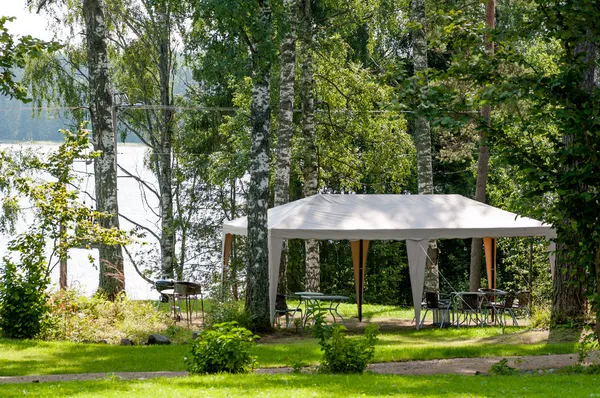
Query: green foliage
(387, 281)
(56, 211)
(223, 348)
(340, 353)
(588, 343)
(78, 318)
(297, 366)
(23, 289)
(228, 311)
(13, 54)
(501, 368)
(540, 317)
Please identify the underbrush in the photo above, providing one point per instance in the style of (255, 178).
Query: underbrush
(227, 311)
(81, 319)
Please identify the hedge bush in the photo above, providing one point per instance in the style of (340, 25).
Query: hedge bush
(342, 354)
(223, 348)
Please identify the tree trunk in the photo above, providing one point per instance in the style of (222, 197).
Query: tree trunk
(567, 290)
(423, 142)
(257, 295)
(567, 287)
(286, 126)
(483, 159)
(597, 269)
(62, 254)
(164, 150)
(313, 266)
(112, 278)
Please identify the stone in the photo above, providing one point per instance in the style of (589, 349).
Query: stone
(158, 339)
(126, 342)
(102, 341)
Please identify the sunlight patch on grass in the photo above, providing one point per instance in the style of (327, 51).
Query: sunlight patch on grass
(302, 386)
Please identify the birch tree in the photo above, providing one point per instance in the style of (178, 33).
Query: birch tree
(145, 70)
(258, 192)
(286, 123)
(313, 269)
(112, 278)
(422, 135)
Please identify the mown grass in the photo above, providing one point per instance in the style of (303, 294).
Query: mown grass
(41, 358)
(309, 385)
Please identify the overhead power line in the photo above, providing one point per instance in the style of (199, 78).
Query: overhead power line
(184, 108)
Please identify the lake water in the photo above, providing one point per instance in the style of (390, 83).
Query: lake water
(135, 206)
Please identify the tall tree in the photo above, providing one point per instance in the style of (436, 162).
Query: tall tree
(257, 299)
(313, 269)
(112, 278)
(163, 152)
(568, 290)
(286, 123)
(484, 156)
(422, 133)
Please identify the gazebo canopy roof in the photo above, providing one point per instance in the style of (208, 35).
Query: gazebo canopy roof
(392, 217)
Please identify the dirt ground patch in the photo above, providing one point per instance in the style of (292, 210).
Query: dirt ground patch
(465, 366)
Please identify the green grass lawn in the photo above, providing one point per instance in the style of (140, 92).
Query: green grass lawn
(41, 358)
(309, 385)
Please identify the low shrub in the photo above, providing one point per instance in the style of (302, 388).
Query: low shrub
(592, 369)
(78, 318)
(23, 297)
(502, 368)
(225, 347)
(340, 353)
(228, 311)
(540, 317)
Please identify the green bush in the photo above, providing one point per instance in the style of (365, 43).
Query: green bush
(223, 348)
(78, 318)
(228, 311)
(502, 368)
(540, 317)
(23, 298)
(342, 354)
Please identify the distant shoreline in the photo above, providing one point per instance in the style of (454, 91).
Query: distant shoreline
(13, 142)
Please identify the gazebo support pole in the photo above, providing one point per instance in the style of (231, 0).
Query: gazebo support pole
(359, 262)
(361, 273)
(490, 261)
(227, 241)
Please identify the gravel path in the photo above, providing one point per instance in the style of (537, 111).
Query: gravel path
(465, 366)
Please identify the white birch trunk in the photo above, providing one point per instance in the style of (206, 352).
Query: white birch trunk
(112, 278)
(313, 266)
(164, 150)
(423, 141)
(257, 295)
(286, 126)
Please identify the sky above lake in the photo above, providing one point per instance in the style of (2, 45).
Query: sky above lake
(27, 23)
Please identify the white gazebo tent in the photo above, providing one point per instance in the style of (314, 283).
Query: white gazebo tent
(361, 218)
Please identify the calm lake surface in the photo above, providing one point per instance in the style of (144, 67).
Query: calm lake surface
(140, 208)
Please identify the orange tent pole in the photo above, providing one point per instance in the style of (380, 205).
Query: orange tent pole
(226, 253)
(490, 261)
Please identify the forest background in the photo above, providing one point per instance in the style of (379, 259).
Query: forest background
(348, 88)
